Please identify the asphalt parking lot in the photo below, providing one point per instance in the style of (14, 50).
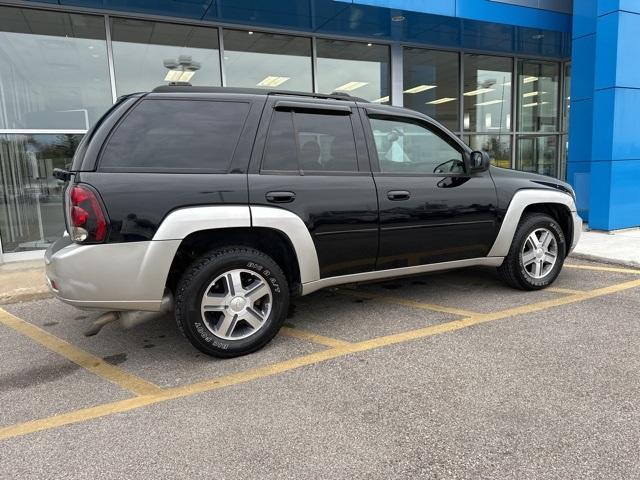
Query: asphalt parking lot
(451, 375)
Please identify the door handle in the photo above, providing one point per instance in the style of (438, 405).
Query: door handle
(396, 195)
(280, 197)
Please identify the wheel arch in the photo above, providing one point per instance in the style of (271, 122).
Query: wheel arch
(559, 205)
(270, 241)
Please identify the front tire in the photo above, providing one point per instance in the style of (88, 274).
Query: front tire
(536, 255)
(231, 301)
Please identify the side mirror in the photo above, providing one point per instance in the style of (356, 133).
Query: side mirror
(479, 161)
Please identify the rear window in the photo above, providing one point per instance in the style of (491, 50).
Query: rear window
(171, 135)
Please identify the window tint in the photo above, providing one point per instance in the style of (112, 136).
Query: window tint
(177, 135)
(408, 147)
(324, 143)
(281, 146)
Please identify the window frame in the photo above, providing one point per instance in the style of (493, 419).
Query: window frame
(295, 107)
(129, 169)
(450, 139)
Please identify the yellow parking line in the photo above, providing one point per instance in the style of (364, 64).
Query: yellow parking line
(569, 291)
(604, 269)
(86, 360)
(281, 367)
(313, 337)
(408, 303)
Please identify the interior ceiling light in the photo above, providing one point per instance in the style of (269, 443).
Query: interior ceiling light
(272, 81)
(478, 92)
(534, 104)
(529, 79)
(419, 88)
(351, 86)
(440, 100)
(533, 94)
(397, 18)
(490, 102)
(381, 100)
(178, 76)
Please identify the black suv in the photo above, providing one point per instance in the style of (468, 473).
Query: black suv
(222, 203)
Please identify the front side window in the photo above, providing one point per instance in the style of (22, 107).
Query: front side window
(179, 135)
(312, 142)
(405, 147)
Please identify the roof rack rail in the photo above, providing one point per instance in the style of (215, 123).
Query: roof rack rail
(187, 87)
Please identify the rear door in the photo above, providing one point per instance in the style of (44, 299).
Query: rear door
(432, 209)
(310, 158)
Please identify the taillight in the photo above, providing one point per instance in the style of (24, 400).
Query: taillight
(87, 220)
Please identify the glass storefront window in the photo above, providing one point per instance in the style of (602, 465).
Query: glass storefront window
(54, 71)
(566, 97)
(267, 60)
(359, 69)
(148, 54)
(487, 93)
(431, 84)
(538, 84)
(498, 147)
(538, 154)
(31, 215)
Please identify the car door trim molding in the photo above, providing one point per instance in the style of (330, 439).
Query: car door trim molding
(521, 200)
(399, 272)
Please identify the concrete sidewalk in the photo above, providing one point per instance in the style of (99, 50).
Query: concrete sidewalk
(621, 247)
(22, 281)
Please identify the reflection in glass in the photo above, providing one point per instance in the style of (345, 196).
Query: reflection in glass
(538, 87)
(141, 49)
(566, 97)
(31, 215)
(431, 80)
(53, 69)
(498, 147)
(538, 154)
(359, 69)
(267, 60)
(487, 93)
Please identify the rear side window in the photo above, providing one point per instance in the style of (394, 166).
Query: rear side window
(311, 142)
(186, 135)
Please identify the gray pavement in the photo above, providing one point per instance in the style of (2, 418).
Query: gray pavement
(552, 392)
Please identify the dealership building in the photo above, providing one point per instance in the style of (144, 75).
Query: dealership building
(545, 86)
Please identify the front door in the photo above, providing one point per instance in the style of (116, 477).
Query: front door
(314, 163)
(431, 208)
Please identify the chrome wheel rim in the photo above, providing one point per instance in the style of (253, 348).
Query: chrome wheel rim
(236, 304)
(539, 253)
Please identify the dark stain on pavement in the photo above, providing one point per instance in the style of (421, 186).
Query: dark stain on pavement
(37, 375)
(148, 345)
(116, 359)
(49, 324)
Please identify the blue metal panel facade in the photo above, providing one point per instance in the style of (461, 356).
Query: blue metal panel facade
(470, 24)
(604, 158)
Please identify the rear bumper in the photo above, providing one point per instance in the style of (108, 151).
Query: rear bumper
(577, 230)
(114, 276)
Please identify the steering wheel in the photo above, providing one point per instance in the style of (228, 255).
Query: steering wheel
(454, 163)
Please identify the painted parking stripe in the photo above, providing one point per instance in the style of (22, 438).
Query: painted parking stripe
(408, 303)
(281, 367)
(604, 269)
(568, 291)
(80, 357)
(312, 337)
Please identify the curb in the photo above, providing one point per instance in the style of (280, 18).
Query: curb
(24, 297)
(608, 260)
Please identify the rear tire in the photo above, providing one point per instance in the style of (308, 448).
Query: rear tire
(231, 301)
(536, 255)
